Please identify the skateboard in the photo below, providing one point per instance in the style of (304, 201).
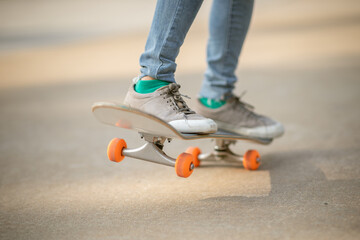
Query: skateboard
(155, 132)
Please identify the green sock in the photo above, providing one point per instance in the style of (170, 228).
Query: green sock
(149, 86)
(212, 103)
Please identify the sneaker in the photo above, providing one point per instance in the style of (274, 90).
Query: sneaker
(167, 104)
(237, 116)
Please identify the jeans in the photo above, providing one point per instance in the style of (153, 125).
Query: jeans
(229, 22)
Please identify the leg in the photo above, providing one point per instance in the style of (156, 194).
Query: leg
(229, 22)
(161, 97)
(171, 22)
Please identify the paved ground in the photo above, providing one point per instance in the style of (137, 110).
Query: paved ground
(56, 183)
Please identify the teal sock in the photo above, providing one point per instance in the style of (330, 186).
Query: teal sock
(149, 86)
(212, 103)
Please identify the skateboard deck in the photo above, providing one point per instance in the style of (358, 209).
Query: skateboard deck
(156, 131)
(124, 117)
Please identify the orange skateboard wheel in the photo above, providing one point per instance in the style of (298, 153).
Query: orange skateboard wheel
(194, 151)
(115, 148)
(184, 165)
(251, 160)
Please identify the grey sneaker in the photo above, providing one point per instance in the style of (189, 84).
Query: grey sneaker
(237, 116)
(167, 104)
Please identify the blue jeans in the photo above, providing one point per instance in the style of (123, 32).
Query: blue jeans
(229, 22)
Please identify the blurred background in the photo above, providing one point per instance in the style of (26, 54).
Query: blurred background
(45, 42)
(300, 65)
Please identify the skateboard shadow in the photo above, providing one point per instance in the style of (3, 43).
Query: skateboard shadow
(296, 175)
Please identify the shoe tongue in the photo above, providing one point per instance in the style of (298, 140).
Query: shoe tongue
(180, 104)
(172, 89)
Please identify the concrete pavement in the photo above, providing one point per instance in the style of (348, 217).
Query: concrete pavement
(56, 182)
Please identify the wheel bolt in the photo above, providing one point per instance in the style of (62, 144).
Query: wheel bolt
(192, 166)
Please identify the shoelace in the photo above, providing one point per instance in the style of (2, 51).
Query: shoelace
(179, 103)
(238, 104)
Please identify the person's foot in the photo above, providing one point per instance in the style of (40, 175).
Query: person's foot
(237, 116)
(167, 104)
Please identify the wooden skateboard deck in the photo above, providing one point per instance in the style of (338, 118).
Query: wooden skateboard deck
(124, 117)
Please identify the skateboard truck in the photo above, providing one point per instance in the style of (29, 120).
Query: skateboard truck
(221, 152)
(151, 151)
